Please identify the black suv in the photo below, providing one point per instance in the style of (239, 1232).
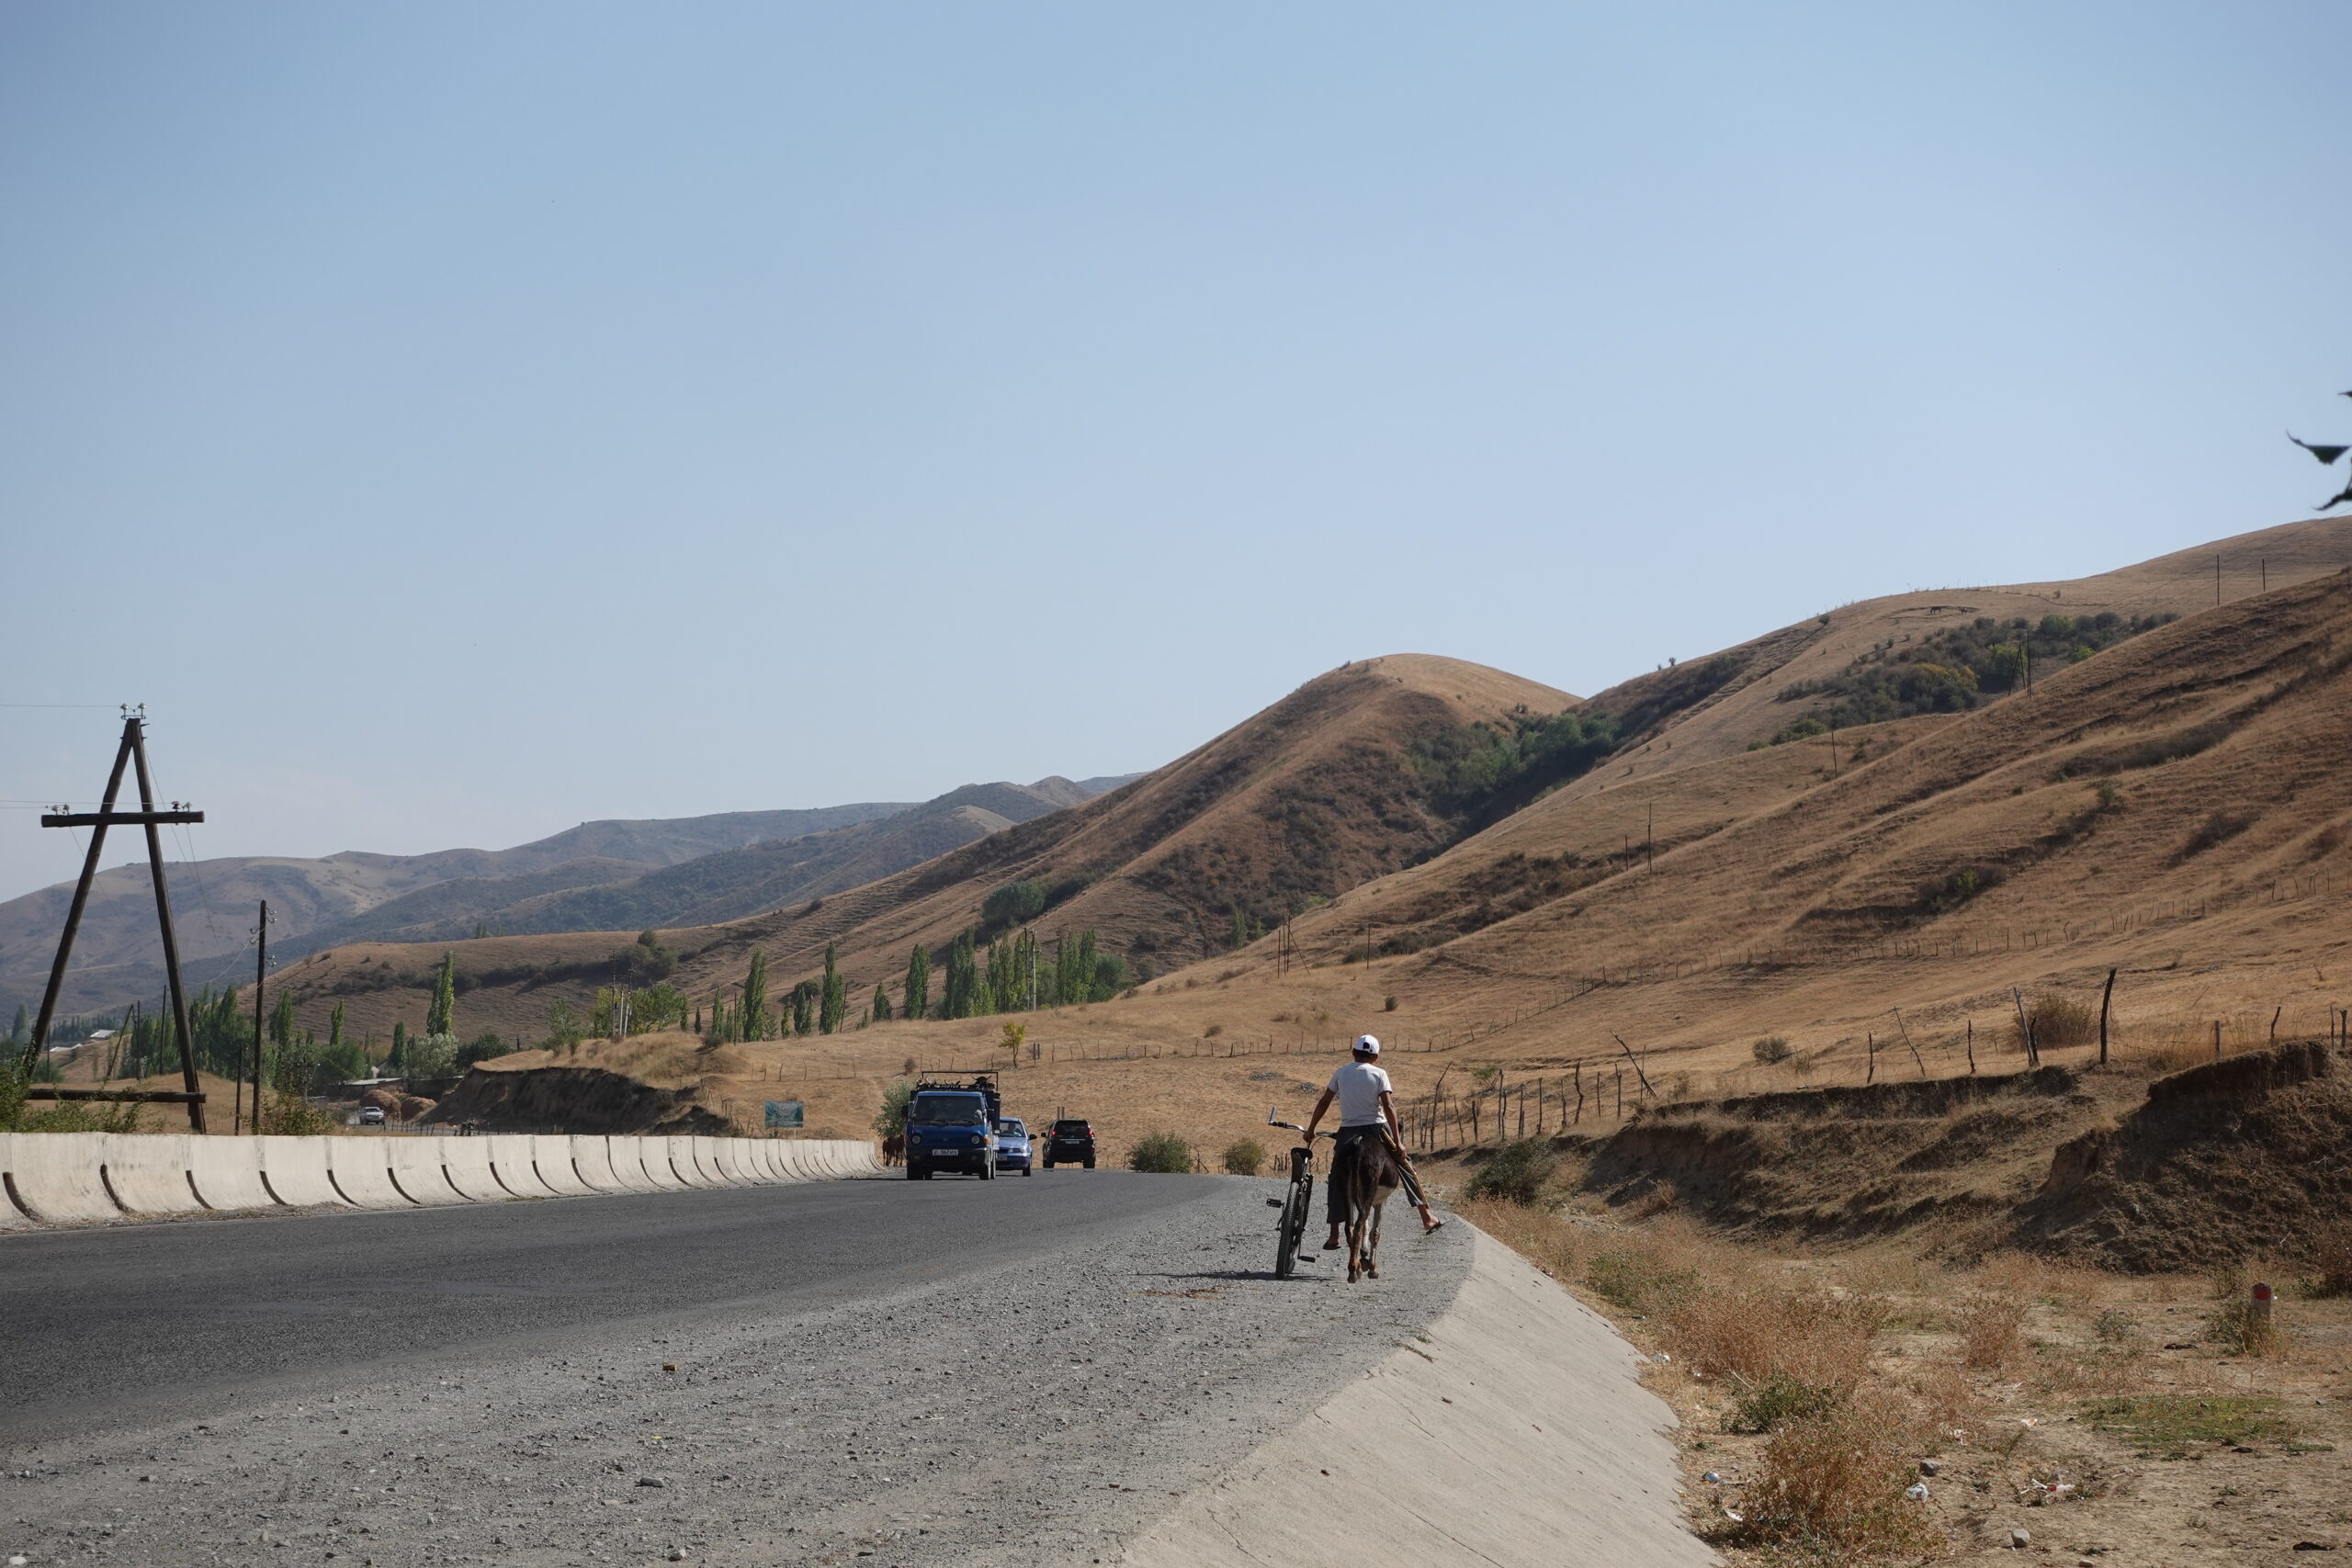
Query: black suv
(1070, 1141)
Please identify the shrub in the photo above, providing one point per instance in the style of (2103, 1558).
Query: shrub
(1833, 1481)
(1244, 1157)
(891, 1119)
(2331, 1260)
(2058, 1021)
(2220, 828)
(1012, 903)
(1639, 1279)
(1778, 1400)
(483, 1048)
(2244, 1332)
(1772, 1049)
(1989, 1326)
(1517, 1172)
(1161, 1153)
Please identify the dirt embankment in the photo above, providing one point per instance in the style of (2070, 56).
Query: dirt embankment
(2236, 1157)
(2244, 1155)
(575, 1100)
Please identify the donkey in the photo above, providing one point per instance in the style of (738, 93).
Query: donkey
(1364, 1187)
(894, 1150)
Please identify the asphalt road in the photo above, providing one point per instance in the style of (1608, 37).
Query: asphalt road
(136, 1321)
(881, 1371)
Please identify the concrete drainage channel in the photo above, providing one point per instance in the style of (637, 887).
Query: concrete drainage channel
(1512, 1431)
(63, 1178)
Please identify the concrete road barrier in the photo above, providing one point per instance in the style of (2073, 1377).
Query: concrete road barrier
(82, 1177)
(625, 1159)
(363, 1173)
(592, 1157)
(653, 1158)
(295, 1169)
(465, 1161)
(678, 1153)
(227, 1173)
(510, 1161)
(741, 1157)
(54, 1176)
(147, 1173)
(12, 1218)
(551, 1159)
(705, 1156)
(415, 1164)
(687, 1160)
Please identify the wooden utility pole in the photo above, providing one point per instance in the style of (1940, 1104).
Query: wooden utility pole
(131, 752)
(2106, 997)
(2025, 1030)
(1647, 1093)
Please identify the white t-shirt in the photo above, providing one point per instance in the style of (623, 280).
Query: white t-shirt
(1359, 1086)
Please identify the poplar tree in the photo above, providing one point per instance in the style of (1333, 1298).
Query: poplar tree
(281, 1021)
(20, 1030)
(804, 1007)
(918, 997)
(833, 1000)
(963, 999)
(441, 1017)
(334, 1027)
(399, 1058)
(755, 997)
(881, 1005)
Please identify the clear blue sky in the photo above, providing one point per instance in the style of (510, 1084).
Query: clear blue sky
(458, 421)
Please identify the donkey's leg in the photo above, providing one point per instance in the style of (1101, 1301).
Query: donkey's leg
(1372, 1243)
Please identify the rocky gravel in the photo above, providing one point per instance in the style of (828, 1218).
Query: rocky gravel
(1036, 1409)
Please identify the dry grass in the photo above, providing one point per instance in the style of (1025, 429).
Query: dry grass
(1760, 1328)
(2331, 1254)
(1990, 1327)
(1833, 1482)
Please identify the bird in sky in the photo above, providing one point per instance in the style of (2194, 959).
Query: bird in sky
(2337, 500)
(2323, 452)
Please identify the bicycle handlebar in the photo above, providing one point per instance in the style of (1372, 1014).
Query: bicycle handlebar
(1275, 1120)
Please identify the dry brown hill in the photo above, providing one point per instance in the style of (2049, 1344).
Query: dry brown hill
(1298, 803)
(1704, 708)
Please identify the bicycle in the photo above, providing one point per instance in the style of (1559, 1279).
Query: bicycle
(1298, 1205)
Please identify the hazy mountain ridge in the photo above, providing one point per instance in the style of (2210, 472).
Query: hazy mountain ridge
(443, 895)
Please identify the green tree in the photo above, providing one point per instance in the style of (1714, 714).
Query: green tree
(881, 1014)
(1075, 966)
(22, 1030)
(918, 995)
(804, 1008)
(962, 997)
(441, 1017)
(756, 997)
(891, 1119)
(399, 1058)
(563, 1026)
(833, 1004)
(334, 1027)
(281, 1021)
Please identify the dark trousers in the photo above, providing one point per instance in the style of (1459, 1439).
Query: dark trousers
(1343, 1155)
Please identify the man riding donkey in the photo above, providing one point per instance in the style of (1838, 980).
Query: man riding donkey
(1367, 1113)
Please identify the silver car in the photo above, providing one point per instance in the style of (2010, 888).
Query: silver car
(1012, 1146)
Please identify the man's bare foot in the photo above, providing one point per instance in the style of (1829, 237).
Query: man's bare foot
(1430, 1224)
(1332, 1244)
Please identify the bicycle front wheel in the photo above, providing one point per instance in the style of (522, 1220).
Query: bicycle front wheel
(1293, 1229)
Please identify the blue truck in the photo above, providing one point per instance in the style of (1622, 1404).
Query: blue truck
(951, 1126)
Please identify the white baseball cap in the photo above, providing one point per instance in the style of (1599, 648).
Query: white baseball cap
(1367, 1045)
